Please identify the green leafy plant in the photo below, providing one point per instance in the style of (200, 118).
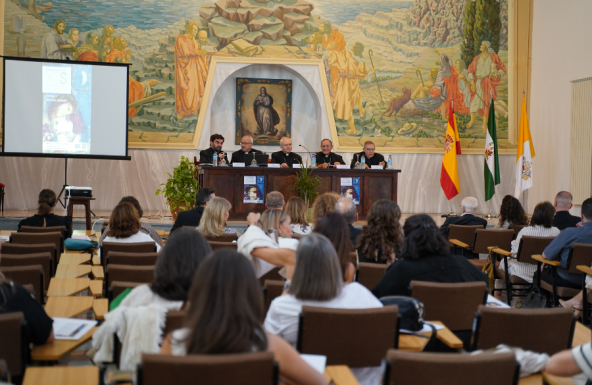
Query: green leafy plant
(180, 187)
(306, 185)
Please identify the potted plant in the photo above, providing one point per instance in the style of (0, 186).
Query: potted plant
(180, 187)
(306, 184)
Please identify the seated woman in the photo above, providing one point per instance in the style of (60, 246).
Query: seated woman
(45, 216)
(225, 295)
(15, 298)
(268, 241)
(317, 281)
(425, 256)
(215, 215)
(511, 213)
(541, 225)
(125, 226)
(297, 211)
(146, 228)
(324, 204)
(334, 227)
(381, 238)
(175, 268)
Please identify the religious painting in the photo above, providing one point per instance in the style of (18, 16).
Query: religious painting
(393, 67)
(263, 110)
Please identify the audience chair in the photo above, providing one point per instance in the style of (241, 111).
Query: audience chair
(19, 249)
(222, 245)
(484, 239)
(133, 259)
(271, 275)
(125, 273)
(587, 299)
(39, 238)
(454, 304)
(43, 259)
(14, 348)
(369, 274)
(528, 247)
(213, 369)
(43, 230)
(462, 236)
(354, 259)
(271, 290)
(140, 247)
(4, 372)
(27, 275)
(352, 337)
(175, 319)
(580, 254)
(540, 330)
(222, 238)
(414, 368)
(117, 287)
(517, 229)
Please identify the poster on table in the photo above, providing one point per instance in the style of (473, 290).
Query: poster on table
(253, 189)
(350, 188)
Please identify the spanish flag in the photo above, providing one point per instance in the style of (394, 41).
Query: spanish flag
(449, 176)
(524, 154)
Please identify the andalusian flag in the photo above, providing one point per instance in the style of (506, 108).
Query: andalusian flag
(491, 169)
(524, 154)
(449, 175)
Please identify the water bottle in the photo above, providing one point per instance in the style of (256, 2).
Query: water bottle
(363, 166)
(215, 159)
(389, 165)
(313, 160)
(254, 162)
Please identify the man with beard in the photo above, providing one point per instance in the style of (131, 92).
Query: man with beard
(72, 43)
(50, 46)
(106, 42)
(89, 51)
(207, 156)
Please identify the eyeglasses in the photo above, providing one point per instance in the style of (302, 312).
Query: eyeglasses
(246, 143)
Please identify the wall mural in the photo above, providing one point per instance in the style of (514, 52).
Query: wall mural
(392, 65)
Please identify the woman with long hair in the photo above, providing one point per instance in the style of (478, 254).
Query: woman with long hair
(297, 211)
(334, 227)
(324, 204)
(381, 238)
(424, 256)
(145, 227)
(45, 217)
(124, 226)
(215, 215)
(224, 317)
(511, 213)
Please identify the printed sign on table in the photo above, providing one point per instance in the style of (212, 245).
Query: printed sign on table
(254, 187)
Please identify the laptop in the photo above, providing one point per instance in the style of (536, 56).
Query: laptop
(261, 159)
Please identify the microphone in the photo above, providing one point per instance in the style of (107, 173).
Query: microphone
(309, 153)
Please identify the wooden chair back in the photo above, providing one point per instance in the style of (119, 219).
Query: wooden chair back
(222, 238)
(14, 348)
(499, 238)
(579, 254)
(43, 259)
(271, 275)
(540, 330)
(132, 259)
(20, 249)
(530, 246)
(139, 247)
(39, 238)
(125, 273)
(517, 229)
(352, 337)
(50, 229)
(272, 290)
(369, 274)
(412, 368)
(454, 304)
(465, 234)
(211, 369)
(27, 275)
(4, 372)
(353, 255)
(175, 319)
(223, 245)
(117, 287)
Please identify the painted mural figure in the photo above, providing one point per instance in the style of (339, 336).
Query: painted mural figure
(206, 45)
(72, 43)
(89, 51)
(106, 42)
(50, 46)
(350, 68)
(484, 75)
(266, 116)
(451, 91)
(331, 40)
(191, 72)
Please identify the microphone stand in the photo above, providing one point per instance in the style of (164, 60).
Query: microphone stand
(309, 153)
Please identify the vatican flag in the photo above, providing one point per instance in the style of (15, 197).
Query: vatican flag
(524, 154)
(449, 174)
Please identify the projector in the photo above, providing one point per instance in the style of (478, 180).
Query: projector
(78, 192)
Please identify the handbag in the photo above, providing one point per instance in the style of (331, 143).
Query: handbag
(410, 310)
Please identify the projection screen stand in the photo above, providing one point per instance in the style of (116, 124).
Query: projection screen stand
(63, 191)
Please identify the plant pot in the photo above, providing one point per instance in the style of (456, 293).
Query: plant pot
(309, 215)
(181, 207)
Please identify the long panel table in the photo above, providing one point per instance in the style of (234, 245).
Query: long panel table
(229, 183)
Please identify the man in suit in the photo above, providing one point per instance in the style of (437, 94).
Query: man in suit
(207, 156)
(326, 158)
(372, 158)
(246, 148)
(563, 219)
(349, 211)
(192, 217)
(467, 218)
(286, 158)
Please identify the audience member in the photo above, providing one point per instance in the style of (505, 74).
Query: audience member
(325, 203)
(511, 213)
(349, 211)
(267, 243)
(317, 281)
(146, 228)
(563, 219)
(559, 250)
(571, 362)
(45, 216)
(15, 298)
(192, 217)
(297, 211)
(467, 218)
(541, 225)
(333, 226)
(424, 257)
(275, 200)
(381, 238)
(213, 221)
(224, 317)
(175, 268)
(124, 226)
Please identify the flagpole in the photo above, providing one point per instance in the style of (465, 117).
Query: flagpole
(490, 214)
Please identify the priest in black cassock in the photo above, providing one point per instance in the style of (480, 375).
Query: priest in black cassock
(207, 156)
(246, 148)
(372, 158)
(326, 158)
(286, 158)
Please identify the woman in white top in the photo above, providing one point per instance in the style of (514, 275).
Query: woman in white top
(297, 211)
(124, 226)
(541, 225)
(215, 215)
(175, 269)
(224, 317)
